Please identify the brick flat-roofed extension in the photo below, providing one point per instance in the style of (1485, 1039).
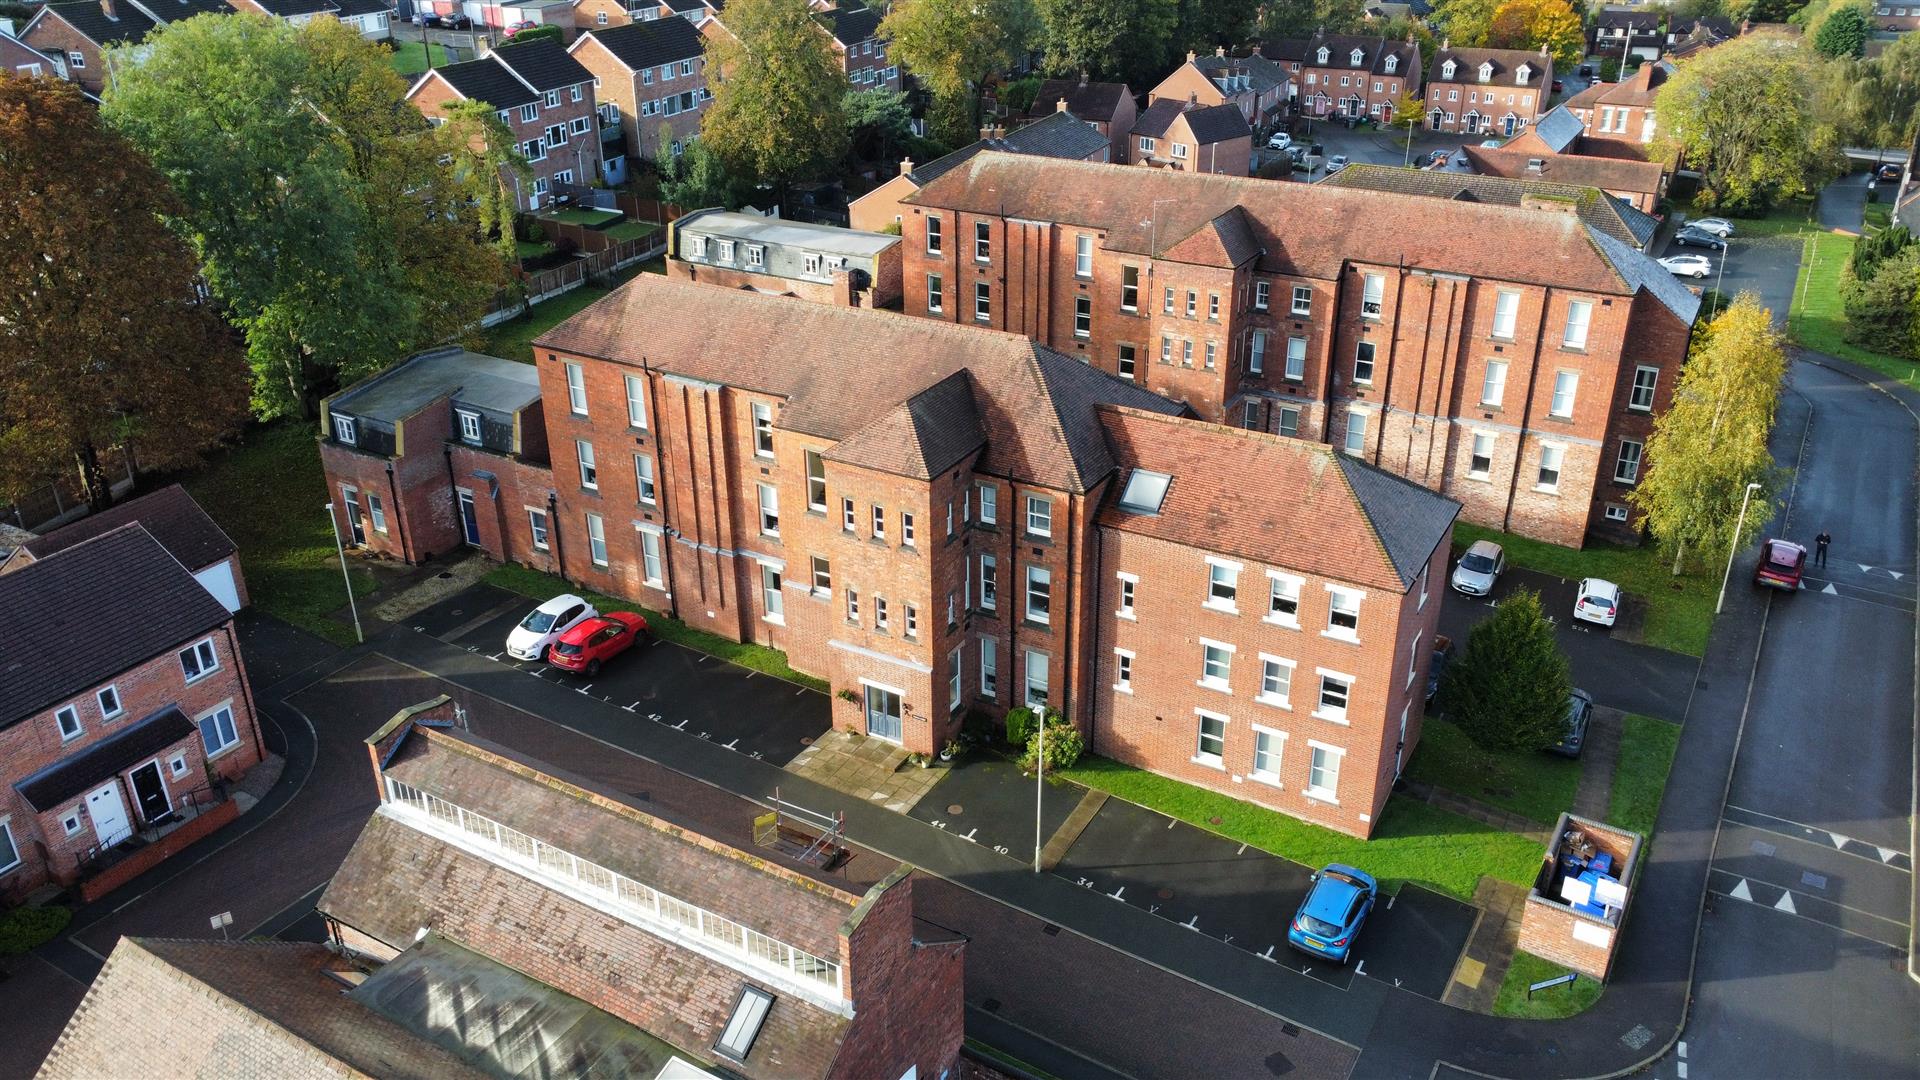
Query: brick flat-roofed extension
(1274, 499)
(58, 635)
(167, 1008)
(473, 378)
(1035, 404)
(170, 514)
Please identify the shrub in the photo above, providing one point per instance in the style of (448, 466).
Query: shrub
(1509, 689)
(27, 928)
(1017, 95)
(1065, 744)
(1020, 726)
(1882, 307)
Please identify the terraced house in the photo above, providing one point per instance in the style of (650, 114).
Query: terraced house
(78, 32)
(1482, 91)
(544, 96)
(650, 79)
(1357, 77)
(856, 40)
(1511, 357)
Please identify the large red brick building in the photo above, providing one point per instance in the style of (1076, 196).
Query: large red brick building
(1510, 357)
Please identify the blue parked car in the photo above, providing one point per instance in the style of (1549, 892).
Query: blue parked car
(1333, 912)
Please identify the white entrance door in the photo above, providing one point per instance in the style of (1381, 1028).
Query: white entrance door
(109, 815)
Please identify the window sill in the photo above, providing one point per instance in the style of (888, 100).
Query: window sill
(1274, 702)
(1118, 688)
(1223, 688)
(1547, 489)
(1320, 795)
(777, 620)
(593, 491)
(1029, 624)
(1480, 477)
(1290, 624)
(1127, 615)
(1330, 718)
(1209, 762)
(655, 583)
(1224, 609)
(936, 311)
(223, 751)
(820, 594)
(1269, 779)
(202, 675)
(1351, 639)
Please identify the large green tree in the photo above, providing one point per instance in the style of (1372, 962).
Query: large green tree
(1510, 687)
(328, 219)
(1743, 114)
(1883, 304)
(775, 115)
(1204, 25)
(1125, 40)
(952, 46)
(1465, 23)
(879, 124)
(1300, 18)
(105, 342)
(1711, 442)
(1843, 33)
(1531, 24)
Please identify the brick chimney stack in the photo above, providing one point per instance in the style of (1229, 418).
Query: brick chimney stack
(1060, 106)
(110, 10)
(906, 166)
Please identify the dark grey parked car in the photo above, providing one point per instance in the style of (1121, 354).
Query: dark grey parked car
(1579, 711)
(1698, 238)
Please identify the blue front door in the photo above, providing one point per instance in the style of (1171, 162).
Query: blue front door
(469, 523)
(883, 713)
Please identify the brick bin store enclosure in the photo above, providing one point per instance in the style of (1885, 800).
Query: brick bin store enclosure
(1565, 933)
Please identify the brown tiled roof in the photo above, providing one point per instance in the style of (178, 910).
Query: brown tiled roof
(1613, 174)
(1291, 502)
(821, 359)
(1312, 230)
(921, 437)
(1623, 149)
(170, 514)
(1086, 100)
(1227, 240)
(1373, 53)
(1640, 88)
(1506, 64)
(165, 1008)
(1596, 208)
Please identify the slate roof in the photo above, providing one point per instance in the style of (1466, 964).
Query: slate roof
(173, 11)
(85, 16)
(1154, 120)
(170, 514)
(1218, 123)
(285, 9)
(1086, 100)
(482, 80)
(1642, 22)
(1643, 273)
(1374, 52)
(1262, 74)
(54, 642)
(273, 998)
(542, 63)
(360, 7)
(103, 760)
(1594, 206)
(1291, 502)
(1506, 66)
(1285, 50)
(650, 43)
(852, 25)
(1058, 134)
(472, 378)
(1558, 129)
(806, 353)
(1612, 174)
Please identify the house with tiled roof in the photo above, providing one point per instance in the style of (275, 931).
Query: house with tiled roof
(854, 32)
(1058, 134)
(650, 81)
(1356, 77)
(174, 519)
(369, 17)
(1175, 134)
(1623, 110)
(1529, 188)
(546, 99)
(79, 31)
(1634, 34)
(19, 58)
(1487, 91)
(1255, 85)
(1323, 311)
(116, 733)
(1896, 18)
(1639, 184)
(1109, 107)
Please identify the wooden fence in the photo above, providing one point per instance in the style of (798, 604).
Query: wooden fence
(545, 284)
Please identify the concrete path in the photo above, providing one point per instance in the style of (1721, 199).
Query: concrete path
(1489, 952)
(1598, 757)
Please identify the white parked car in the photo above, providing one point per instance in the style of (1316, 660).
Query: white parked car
(1693, 266)
(1597, 601)
(1280, 141)
(1479, 568)
(544, 625)
(1719, 227)
(1490, 144)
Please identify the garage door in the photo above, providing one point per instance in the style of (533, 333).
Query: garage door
(218, 580)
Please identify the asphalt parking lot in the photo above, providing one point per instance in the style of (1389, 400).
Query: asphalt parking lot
(990, 803)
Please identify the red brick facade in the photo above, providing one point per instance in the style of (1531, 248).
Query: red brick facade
(1354, 76)
(559, 134)
(51, 34)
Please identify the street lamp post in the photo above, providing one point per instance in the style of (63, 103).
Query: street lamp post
(1039, 785)
(341, 549)
(1733, 548)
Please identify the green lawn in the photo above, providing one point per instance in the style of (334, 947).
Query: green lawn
(1792, 217)
(410, 57)
(759, 658)
(531, 249)
(576, 215)
(1879, 215)
(1818, 320)
(1677, 618)
(1414, 842)
(1646, 755)
(1550, 1004)
(1539, 786)
(268, 494)
(632, 230)
(513, 339)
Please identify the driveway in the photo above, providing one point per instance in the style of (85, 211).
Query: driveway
(1843, 203)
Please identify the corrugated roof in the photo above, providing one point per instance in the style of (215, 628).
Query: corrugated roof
(170, 514)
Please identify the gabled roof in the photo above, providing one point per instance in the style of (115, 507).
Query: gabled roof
(54, 640)
(1645, 275)
(1506, 66)
(853, 24)
(1590, 204)
(286, 9)
(1285, 50)
(1638, 88)
(649, 43)
(543, 64)
(127, 25)
(1262, 74)
(1293, 503)
(1154, 120)
(1643, 22)
(485, 80)
(1558, 129)
(170, 514)
(923, 436)
(1034, 403)
(1217, 123)
(1086, 100)
(1228, 240)
(487, 382)
(25, 54)
(1374, 52)
(1059, 134)
(1612, 174)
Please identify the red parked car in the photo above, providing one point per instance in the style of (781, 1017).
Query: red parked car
(595, 641)
(1781, 564)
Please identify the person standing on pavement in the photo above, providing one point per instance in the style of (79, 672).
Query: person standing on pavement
(1820, 548)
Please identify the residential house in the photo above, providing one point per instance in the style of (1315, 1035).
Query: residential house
(544, 96)
(1487, 91)
(1291, 56)
(1356, 77)
(1623, 110)
(79, 31)
(115, 732)
(1058, 134)
(174, 519)
(1511, 357)
(821, 263)
(369, 17)
(1635, 34)
(498, 917)
(1563, 132)
(19, 58)
(494, 16)
(1639, 184)
(1687, 36)
(1173, 134)
(1255, 85)
(1601, 210)
(651, 81)
(442, 451)
(855, 34)
(1896, 18)
(1109, 107)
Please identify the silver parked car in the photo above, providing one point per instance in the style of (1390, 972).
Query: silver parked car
(1479, 568)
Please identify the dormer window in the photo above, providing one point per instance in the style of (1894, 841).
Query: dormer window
(343, 429)
(1521, 76)
(1356, 56)
(1486, 72)
(1392, 62)
(1323, 55)
(1447, 69)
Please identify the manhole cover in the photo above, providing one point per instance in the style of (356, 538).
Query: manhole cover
(1640, 1036)
(444, 574)
(954, 808)
(1165, 894)
(1808, 877)
(806, 741)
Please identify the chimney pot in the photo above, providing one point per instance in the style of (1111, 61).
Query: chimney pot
(906, 166)
(1060, 106)
(1219, 50)
(1190, 56)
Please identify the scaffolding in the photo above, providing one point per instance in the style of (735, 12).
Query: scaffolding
(808, 836)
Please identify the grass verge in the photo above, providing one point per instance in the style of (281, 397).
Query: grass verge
(582, 216)
(529, 582)
(1791, 217)
(27, 928)
(267, 493)
(1414, 841)
(1560, 1001)
(631, 230)
(1647, 745)
(410, 57)
(1677, 618)
(513, 339)
(1538, 786)
(1817, 319)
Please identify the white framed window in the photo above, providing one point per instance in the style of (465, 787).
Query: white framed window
(1128, 583)
(1343, 613)
(989, 504)
(1146, 144)
(810, 264)
(199, 660)
(1210, 745)
(1323, 772)
(907, 535)
(726, 251)
(1493, 384)
(71, 822)
(1036, 680)
(9, 851)
(1186, 353)
(108, 698)
(936, 296)
(1626, 468)
(1123, 671)
(989, 666)
(553, 99)
(953, 680)
(1213, 307)
(636, 402)
(1296, 359)
(982, 241)
(1083, 316)
(1363, 362)
(816, 481)
(1616, 512)
(645, 487)
(1336, 690)
(880, 621)
(1268, 747)
(933, 234)
(651, 570)
(771, 600)
(846, 515)
(177, 765)
(1283, 599)
(1302, 300)
(1083, 256)
(1257, 352)
(1193, 303)
(67, 719)
(1506, 311)
(989, 583)
(1262, 291)
(1373, 295)
(1552, 456)
(1276, 681)
(1289, 420)
(1216, 665)
(1039, 516)
(1223, 583)
(769, 509)
(1565, 385)
(343, 429)
(576, 388)
(1645, 379)
(1356, 441)
(1480, 461)
(1579, 316)
(1166, 306)
(589, 472)
(377, 512)
(982, 302)
(469, 425)
(1180, 150)
(597, 539)
(530, 112)
(853, 606)
(537, 528)
(762, 429)
(756, 256)
(1039, 607)
(218, 733)
(822, 577)
(1212, 348)
(1413, 660)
